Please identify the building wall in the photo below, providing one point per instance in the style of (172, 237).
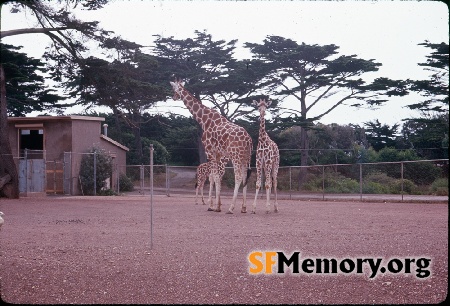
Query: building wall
(87, 134)
(57, 139)
(73, 134)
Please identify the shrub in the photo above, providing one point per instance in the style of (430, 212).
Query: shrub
(378, 182)
(374, 188)
(103, 170)
(125, 183)
(107, 192)
(334, 183)
(440, 187)
(408, 187)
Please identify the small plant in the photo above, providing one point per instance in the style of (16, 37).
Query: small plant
(440, 187)
(125, 183)
(107, 192)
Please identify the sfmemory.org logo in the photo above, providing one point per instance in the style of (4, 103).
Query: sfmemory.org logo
(273, 263)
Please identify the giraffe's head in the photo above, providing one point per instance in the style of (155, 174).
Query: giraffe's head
(177, 87)
(262, 105)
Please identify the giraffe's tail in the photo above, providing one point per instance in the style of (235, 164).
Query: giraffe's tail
(249, 172)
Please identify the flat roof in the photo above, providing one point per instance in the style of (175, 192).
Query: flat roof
(51, 118)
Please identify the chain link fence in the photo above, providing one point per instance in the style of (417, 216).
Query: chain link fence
(42, 173)
(360, 181)
(39, 172)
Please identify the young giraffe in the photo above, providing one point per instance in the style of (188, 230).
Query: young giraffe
(203, 173)
(267, 158)
(221, 139)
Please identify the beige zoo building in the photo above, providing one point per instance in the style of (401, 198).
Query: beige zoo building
(48, 152)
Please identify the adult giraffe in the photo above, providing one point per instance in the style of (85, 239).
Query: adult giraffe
(267, 158)
(221, 139)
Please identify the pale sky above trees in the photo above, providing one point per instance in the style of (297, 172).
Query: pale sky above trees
(387, 31)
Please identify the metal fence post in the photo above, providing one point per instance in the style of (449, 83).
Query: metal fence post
(323, 183)
(118, 178)
(95, 173)
(54, 176)
(141, 178)
(151, 196)
(290, 182)
(360, 182)
(167, 180)
(26, 171)
(401, 169)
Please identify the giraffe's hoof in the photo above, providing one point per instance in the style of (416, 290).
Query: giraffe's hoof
(217, 210)
(229, 213)
(210, 209)
(276, 210)
(254, 212)
(244, 210)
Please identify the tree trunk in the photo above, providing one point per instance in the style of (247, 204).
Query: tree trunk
(7, 165)
(118, 126)
(137, 136)
(201, 148)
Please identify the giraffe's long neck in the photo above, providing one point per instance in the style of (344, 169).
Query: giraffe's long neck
(192, 104)
(201, 113)
(262, 126)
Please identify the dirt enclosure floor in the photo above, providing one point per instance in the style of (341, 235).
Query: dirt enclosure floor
(58, 249)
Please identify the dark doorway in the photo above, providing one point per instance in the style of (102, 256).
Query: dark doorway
(33, 142)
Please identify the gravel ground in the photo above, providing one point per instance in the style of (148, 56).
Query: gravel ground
(57, 249)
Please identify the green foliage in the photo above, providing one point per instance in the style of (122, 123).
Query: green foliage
(125, 183)
(435, 89)
(334, 183)
(380, 136)
(381, 183)
(440, 187)
(428, 135)
(25, 88)
(107, 192)
(103, 170)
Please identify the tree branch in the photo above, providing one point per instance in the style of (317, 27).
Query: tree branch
(31, 31)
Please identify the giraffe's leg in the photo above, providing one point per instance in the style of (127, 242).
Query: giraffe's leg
(275, 183)
(203, 199)
(196, 194)
(237, 184)
(217, 183)
(215, 177)
(258, 186)
(211, 186)
(268, 185)
(244, 191)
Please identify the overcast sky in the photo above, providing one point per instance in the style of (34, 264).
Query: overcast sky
(387, 31)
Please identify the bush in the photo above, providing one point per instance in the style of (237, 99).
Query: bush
(374, 188)
(103, 171)
(125, 183)
(334, 183)
(408, 187)
(440, 187)
(378, 183)
(107, 192)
